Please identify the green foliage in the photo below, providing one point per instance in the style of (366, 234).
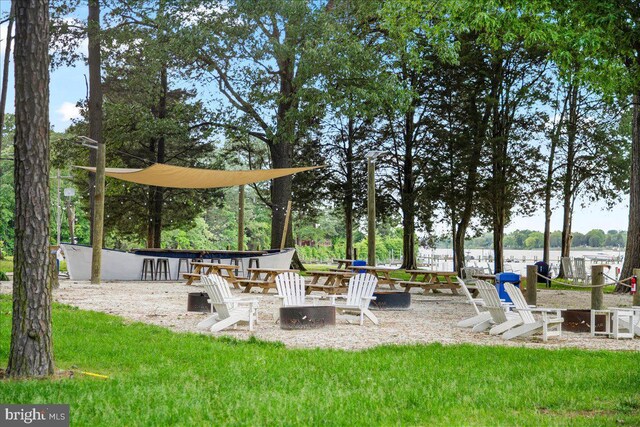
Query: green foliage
(7, 200)
(158, 377)
(527, 239)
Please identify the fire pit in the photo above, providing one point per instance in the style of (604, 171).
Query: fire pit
(580, 321)
(307, 317)
(198, 301)
(391, 301)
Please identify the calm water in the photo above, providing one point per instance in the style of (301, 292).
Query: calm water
(516, 260)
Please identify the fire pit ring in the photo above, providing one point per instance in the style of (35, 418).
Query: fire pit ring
(198, 301)
(307, 317)
(580, 321)
(386, 300)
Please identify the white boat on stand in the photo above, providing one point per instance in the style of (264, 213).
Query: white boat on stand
(120, 265)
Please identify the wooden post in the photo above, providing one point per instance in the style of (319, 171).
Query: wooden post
(636, 297)
(241, 218)
(597, 293)
(283, 242)
(371, 212)
(532, 284)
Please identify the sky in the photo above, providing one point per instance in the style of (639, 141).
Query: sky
(68, 86)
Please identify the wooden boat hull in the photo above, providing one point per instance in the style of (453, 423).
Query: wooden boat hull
(120, 265)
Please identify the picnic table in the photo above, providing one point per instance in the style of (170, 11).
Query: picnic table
(335, 282)
(430, 280)
(212, 268)
(343, 263)
(485, 276)
(382, 273)
(267, 282)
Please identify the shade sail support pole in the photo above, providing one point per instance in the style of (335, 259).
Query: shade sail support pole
(283, 242)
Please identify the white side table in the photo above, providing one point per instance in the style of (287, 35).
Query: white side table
(607, 322)
(623, 322)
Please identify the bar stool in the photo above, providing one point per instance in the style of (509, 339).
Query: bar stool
(187, 265)
(162, 266)
(191, 263)
(254, 262)
(238, 262)
(147, 267)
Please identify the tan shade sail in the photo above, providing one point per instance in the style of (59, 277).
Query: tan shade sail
(162, 175)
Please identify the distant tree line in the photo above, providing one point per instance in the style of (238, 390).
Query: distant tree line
(528, 239)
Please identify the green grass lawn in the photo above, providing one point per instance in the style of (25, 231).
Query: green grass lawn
(157, 377)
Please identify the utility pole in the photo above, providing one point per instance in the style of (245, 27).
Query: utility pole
(371, 206)
(59, 207)
(241, 218)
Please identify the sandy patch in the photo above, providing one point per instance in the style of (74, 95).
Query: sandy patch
(432, 318)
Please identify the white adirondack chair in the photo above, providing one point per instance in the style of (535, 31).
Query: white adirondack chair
(480, 316)
(359, 296)
(580, 271)
(550, 325)
(567, 268)
(469, 272)
(230, 310)
(291, 291)
(501, 318)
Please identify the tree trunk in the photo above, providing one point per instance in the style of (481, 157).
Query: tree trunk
(348, 192)
(546, 245)
(408, 196)
(567, 187)
(95, 133)
(458, 247)
(31, 352)
(5, 73)
(158, 201)
(632, 251)
(5, 83)
(498, 241)
(241, 218)
(280, 194)
(151, 243)
(479, 137)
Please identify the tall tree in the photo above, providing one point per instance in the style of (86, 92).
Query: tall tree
(560, 104)
(591, 154)
(603, 37)
(517, 83)
(95, 133)
(460, 116)
(3, 102)
(31, 352)
(5, 71)
(264, 58)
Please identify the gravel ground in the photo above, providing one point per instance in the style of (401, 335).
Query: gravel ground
(432, 318)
